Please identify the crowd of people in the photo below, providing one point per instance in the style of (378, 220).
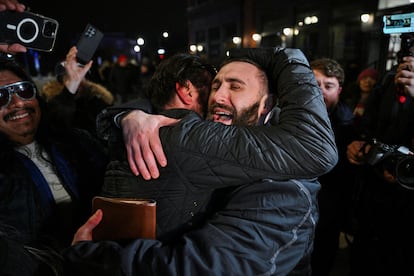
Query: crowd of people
(256, 167)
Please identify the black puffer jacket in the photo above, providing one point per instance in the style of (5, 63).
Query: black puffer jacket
(265, 215)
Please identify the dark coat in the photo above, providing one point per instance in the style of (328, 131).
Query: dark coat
(26, 202)
(263, 222)
(76, 110)
(385, 208)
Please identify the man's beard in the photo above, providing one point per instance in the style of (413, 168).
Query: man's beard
(245, 117)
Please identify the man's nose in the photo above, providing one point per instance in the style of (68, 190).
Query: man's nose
(221, 96)
(15, 101)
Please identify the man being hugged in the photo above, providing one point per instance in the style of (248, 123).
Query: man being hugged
(265, 220)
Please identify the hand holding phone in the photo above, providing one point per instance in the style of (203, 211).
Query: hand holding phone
(31, 30)
(88, 43)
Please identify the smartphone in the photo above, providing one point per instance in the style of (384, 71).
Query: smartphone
(88, 43)
(29, 29)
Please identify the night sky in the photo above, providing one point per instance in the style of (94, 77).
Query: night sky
(147, 18)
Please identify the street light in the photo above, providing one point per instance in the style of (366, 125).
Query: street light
(237, 40)
(140, 41)
(287, 31)
(193, 48)
(161, 53)
(367, 18)
(256, 37)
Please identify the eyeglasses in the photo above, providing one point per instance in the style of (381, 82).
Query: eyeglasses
(25, 90)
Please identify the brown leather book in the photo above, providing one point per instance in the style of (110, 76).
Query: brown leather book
(125, 218)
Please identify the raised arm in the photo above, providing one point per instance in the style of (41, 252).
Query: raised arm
(62, 107)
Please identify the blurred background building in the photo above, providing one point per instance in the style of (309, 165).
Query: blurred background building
(349, 31)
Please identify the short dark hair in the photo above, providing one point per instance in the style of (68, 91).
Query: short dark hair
(330, 68)
(15, 68)
(178, 68)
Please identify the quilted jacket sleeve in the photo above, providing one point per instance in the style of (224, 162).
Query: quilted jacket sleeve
(105, 125)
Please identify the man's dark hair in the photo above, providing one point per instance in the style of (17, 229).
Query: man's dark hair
(15, 68)
(178, 68)
(330, 68)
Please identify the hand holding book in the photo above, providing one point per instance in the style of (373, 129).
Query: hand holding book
(125, 218)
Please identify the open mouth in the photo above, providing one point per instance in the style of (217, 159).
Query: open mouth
(223, 117)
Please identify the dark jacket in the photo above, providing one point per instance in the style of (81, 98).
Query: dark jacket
(27, 208)
(76, 110)
(336, 197)
(264, 223)
(390, 119)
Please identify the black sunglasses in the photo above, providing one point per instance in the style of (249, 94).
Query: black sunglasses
(25, 90)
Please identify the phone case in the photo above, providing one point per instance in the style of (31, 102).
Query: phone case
(88, 43)
(32, 30)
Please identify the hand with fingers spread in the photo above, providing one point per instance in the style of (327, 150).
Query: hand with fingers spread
(142, 142)
(14, 6)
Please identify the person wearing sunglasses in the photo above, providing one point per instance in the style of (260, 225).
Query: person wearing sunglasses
(48, 174)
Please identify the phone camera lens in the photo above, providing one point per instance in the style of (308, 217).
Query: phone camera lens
(49, 29)
(28, 30)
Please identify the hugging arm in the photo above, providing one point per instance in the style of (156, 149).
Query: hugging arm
(300, 145)
(303, 132)
(139, 133)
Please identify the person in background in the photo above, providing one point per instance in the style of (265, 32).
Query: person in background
(264, 222)
(78, 109)
(335, 196)
(48, 175)
(147, 69)
(124, 80)
(104, 71)
(356, 95)
(383, 242)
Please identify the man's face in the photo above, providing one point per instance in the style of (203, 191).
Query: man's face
(20, 118)
(330, 88)
(239, 93)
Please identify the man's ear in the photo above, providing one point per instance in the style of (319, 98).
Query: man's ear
(184, 92)
(268, 104)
